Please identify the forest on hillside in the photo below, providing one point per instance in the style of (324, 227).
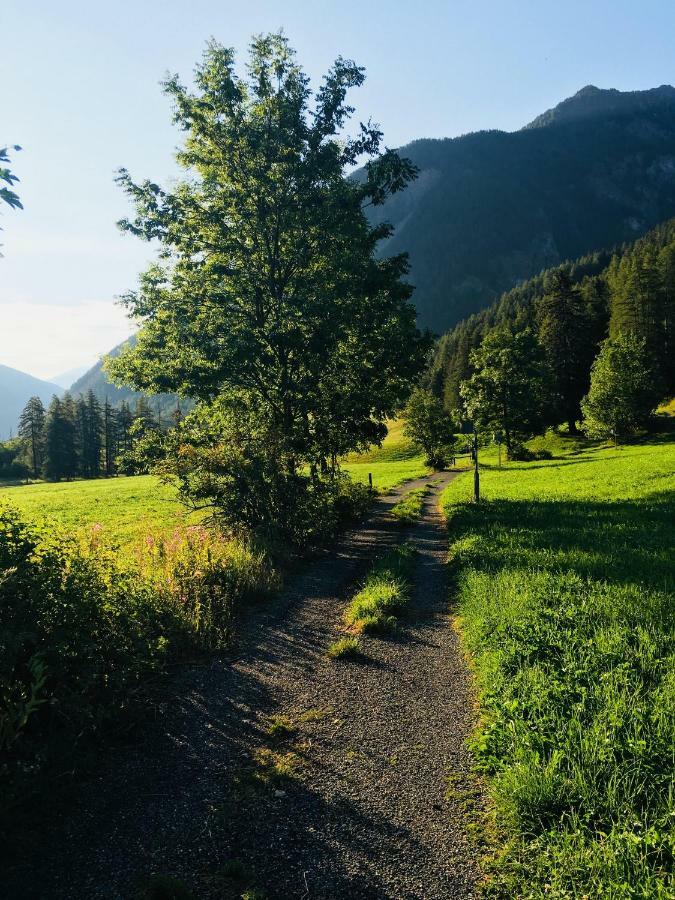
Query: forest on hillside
(571, 310)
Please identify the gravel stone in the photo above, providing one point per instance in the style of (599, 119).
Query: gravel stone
(365, 812)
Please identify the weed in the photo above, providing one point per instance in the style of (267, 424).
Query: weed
(408, 510)
(385, 592)
(344, 648)
(281, 728)
(269, 768)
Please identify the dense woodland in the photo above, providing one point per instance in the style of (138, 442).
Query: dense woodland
(84, 438)
(570, 310)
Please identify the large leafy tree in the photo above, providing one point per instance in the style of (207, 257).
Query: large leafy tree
(623, 392)
(429, 426)
(270, 297)
(507, 392)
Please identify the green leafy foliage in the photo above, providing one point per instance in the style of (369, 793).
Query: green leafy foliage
(272, 308)
(507, 393)
(564, 588)
(83, 635)
(9, 179)
(623, 394)
(429, 426)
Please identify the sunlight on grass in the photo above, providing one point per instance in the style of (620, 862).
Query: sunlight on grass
(564, 584)
(126, 508)
(385, 592)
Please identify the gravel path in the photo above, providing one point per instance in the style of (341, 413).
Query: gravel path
(370, 748)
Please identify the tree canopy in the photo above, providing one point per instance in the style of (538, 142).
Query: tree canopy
(506, 393)
(269, 294)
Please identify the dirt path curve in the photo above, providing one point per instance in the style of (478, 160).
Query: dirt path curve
(371, 746)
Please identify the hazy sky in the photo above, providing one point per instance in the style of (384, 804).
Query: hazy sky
(80, 93)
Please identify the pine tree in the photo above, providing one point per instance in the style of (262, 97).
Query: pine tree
(124, 421)
(31, 431)
(564, 335)
(60, 453)
(110, 437)
(94, 435)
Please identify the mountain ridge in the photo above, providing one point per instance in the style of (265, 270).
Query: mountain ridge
(16, 388)
(492, 208)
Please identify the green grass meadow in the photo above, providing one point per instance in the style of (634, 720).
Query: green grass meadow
(563, 585)
(128, 509)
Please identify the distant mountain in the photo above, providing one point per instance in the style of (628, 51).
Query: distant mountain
(491, 209)
(591, 102)
(16, 388)
(96, 380)
(66, 379)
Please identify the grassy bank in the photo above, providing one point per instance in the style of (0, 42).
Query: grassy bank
(84, 635)
(564, 586)
(391, 464)
(127, 509)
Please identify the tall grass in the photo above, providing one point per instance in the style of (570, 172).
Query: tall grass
(564, 586)
(85, 629)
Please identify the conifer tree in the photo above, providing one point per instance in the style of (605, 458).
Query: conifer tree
(60, 453)
(124, 421)
(566, 338)
(110, 437)
(31, 431)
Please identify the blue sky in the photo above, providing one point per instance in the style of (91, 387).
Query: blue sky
(80, 93)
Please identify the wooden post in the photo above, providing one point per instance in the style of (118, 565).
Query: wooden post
(370, 481)
(476, 475)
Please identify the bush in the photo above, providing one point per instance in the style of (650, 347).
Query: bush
(520, 453)
(80, 638)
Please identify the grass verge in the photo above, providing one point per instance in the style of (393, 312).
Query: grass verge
(381, 599)
(408, 510)
(564, 586)
(83, 638)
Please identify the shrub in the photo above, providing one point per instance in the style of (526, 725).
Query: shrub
(81, 635)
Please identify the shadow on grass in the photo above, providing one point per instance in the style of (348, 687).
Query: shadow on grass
(622, 542)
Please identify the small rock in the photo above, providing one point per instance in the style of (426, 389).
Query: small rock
(280, 793)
